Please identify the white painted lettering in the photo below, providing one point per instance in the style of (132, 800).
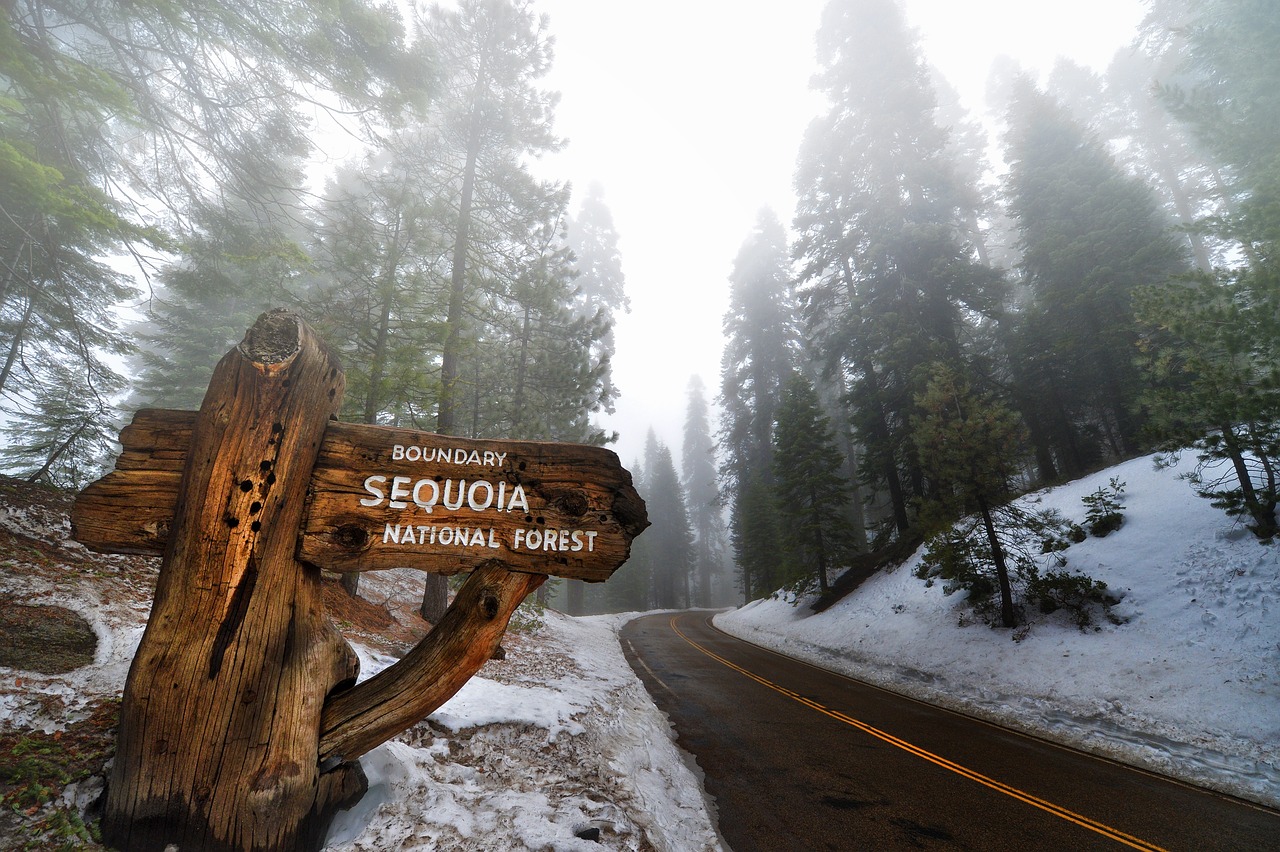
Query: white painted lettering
(369, 486)
(399, 491)
(518, 500)
(391, 534)
(462, 487)
(425, 505)
(397, 452)
(475, 505)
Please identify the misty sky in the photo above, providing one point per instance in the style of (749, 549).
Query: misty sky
(689, 113)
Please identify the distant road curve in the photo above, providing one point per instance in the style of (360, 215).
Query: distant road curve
(799, 758)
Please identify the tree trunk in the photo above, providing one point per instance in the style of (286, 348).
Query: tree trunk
(217, 747)
(575, 595)
(377, 366)
(436, 593)
(15, 346)
(1008, 617)
(1263, 512)
(435, 599)
(398, 697)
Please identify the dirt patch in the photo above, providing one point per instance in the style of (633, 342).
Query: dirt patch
(45, 639)
(372, 623)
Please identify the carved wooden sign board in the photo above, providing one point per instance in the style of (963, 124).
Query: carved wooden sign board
(381, 497)
(242, 718)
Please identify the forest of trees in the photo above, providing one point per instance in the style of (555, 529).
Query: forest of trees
(930, 335)
(959, 333)
(463, 294)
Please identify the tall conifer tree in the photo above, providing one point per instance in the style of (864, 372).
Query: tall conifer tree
(887, 275)
(812, 491)
(1088, 234)
(698, 475)
(759, 356)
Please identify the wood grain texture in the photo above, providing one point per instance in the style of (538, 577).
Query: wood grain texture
(240, 724)
(217, 741)
(372, 712)
(577, 519)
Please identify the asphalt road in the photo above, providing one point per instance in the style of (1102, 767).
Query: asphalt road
(798, 758)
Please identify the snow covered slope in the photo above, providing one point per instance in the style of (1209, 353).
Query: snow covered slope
(1188, 686)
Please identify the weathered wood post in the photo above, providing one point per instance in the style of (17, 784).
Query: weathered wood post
(240, 724)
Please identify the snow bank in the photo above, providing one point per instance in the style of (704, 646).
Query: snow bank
(529, 765)
(1188, 686)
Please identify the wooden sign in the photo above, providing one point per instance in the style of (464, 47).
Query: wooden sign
(242, 718)
(389, 498)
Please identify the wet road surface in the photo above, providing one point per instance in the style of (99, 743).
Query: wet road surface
(798, 758)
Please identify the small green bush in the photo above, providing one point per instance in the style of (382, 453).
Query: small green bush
(1102, 509)
(1078, 594)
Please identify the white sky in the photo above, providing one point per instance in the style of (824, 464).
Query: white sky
(689, 113)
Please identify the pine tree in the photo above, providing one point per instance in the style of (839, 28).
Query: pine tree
(492, 118)
(64, 432)
(631, 587)
(758, 358)
(1211, 346)
(59, 334)
(812, 494)
(670, 547)
(1089, 234)
(374, 288)
(1123, 107)
(698, 476)
(232, 268)
(973, 444)
(124, 128)
(601, 283)
(1211, 351)
(888, 278)
(756, 536)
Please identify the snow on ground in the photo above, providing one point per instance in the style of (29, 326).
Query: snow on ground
(569, 741)
(561, 736)
(557, 739)
(1188, 686)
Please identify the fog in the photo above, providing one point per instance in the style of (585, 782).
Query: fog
(690, 116)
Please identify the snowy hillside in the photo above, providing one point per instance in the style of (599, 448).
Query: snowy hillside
(1188, 686)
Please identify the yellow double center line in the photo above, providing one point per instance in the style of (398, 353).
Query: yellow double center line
(1048, 807)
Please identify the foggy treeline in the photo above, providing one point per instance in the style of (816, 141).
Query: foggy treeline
(935, 335)
(200, 163)
(932, 333)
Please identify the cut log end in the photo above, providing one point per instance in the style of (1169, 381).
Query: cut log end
(274, 338)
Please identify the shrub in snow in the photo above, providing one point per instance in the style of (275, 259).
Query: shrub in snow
(1102, 508)
(1077, 594)
(961, 557)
